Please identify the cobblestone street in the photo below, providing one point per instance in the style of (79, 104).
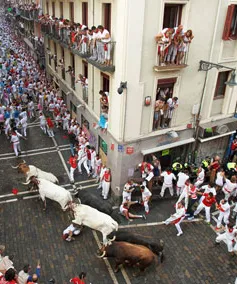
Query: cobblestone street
(31, 234)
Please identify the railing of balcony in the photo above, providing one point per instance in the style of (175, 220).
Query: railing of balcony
(100, 54)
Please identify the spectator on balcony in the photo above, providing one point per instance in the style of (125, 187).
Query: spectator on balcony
(164, 41)
(171, 105)
(84, 41)
(83, 80)
(159, 113)
(104, 102)
(106, 45)
(187, 39)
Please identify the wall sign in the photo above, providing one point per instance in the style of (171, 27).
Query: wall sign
(120, 148)
(129, 150)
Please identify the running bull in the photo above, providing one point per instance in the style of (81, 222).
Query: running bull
(29, 171)
(126, 253)
(94, 219)
(52, 191)
(137, 239)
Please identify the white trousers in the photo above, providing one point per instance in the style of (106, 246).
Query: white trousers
(184, 195)
(16, 147)
(207, 211)
(50, 132)
(23, 130)
(225, 216)
(179, 189)
(169, 186)
(43, 127)
(146, 206)
(105, 189)
(84, 162)
(222, 237)
(71, 174)
(65, 125)
(198, 183)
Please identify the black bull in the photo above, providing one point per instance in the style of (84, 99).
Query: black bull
(125, 236)
(93, 201)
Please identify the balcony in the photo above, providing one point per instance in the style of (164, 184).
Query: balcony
(83, 49)
(26, 14)
(171, 61)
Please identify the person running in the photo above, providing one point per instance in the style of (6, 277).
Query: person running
(228, 237)
(146, 196)
(206, 204)
(73, 165)
(15, 140)
(224, 209)
(177, 218)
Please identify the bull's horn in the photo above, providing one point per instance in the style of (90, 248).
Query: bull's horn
(23, 162)
(103, 255)
(15, 167)
(113, 239)
(26, 183)
(79, 200)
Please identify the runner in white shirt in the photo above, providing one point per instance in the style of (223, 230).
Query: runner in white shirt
(182, 178)
(146, 196)
(168, 182)
(128, 189)
(43, 123)
(228, 237)
(69, 232)
(200, 177)
(15, 139)
(229, 187)
(224, 208)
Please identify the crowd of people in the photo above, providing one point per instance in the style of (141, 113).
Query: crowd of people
(94, 42)
(173, 44)
(216, 186)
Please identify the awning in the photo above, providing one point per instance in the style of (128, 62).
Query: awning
(215, 137)
(167, 146)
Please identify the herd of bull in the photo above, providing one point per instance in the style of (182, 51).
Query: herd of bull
(125, 247)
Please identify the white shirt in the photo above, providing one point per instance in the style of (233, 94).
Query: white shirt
(208, 189)
(201, 176)
(168, 178)
(229, 186)
(103, 34)
(219, 179)
(182, 178)
(22, 277)
(146, 194)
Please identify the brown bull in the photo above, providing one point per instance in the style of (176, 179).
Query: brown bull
(126, 253)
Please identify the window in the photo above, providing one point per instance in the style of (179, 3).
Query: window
(85, 69)
(49, 54)
(73, 71)
(162, 113)
(55, 56)
(220, 84)
(172, 15)
(103, 145)
(107, 16)
(61, 9)
(105, 82)
(53, 9)
(85, 13)
(230, 28)
(73, 110)
(47, 7)
(63, 67)
(71, 7)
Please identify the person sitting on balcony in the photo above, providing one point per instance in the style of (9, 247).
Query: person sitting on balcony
(164, 41)
(187, 39)
(106, 44)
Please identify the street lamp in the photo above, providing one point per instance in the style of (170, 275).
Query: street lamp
(206, 66)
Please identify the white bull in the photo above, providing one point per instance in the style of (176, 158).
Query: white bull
(29, 171)
(33, 171)
(96, 220)
(52, 191)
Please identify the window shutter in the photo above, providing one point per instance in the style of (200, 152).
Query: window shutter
(229, 16)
